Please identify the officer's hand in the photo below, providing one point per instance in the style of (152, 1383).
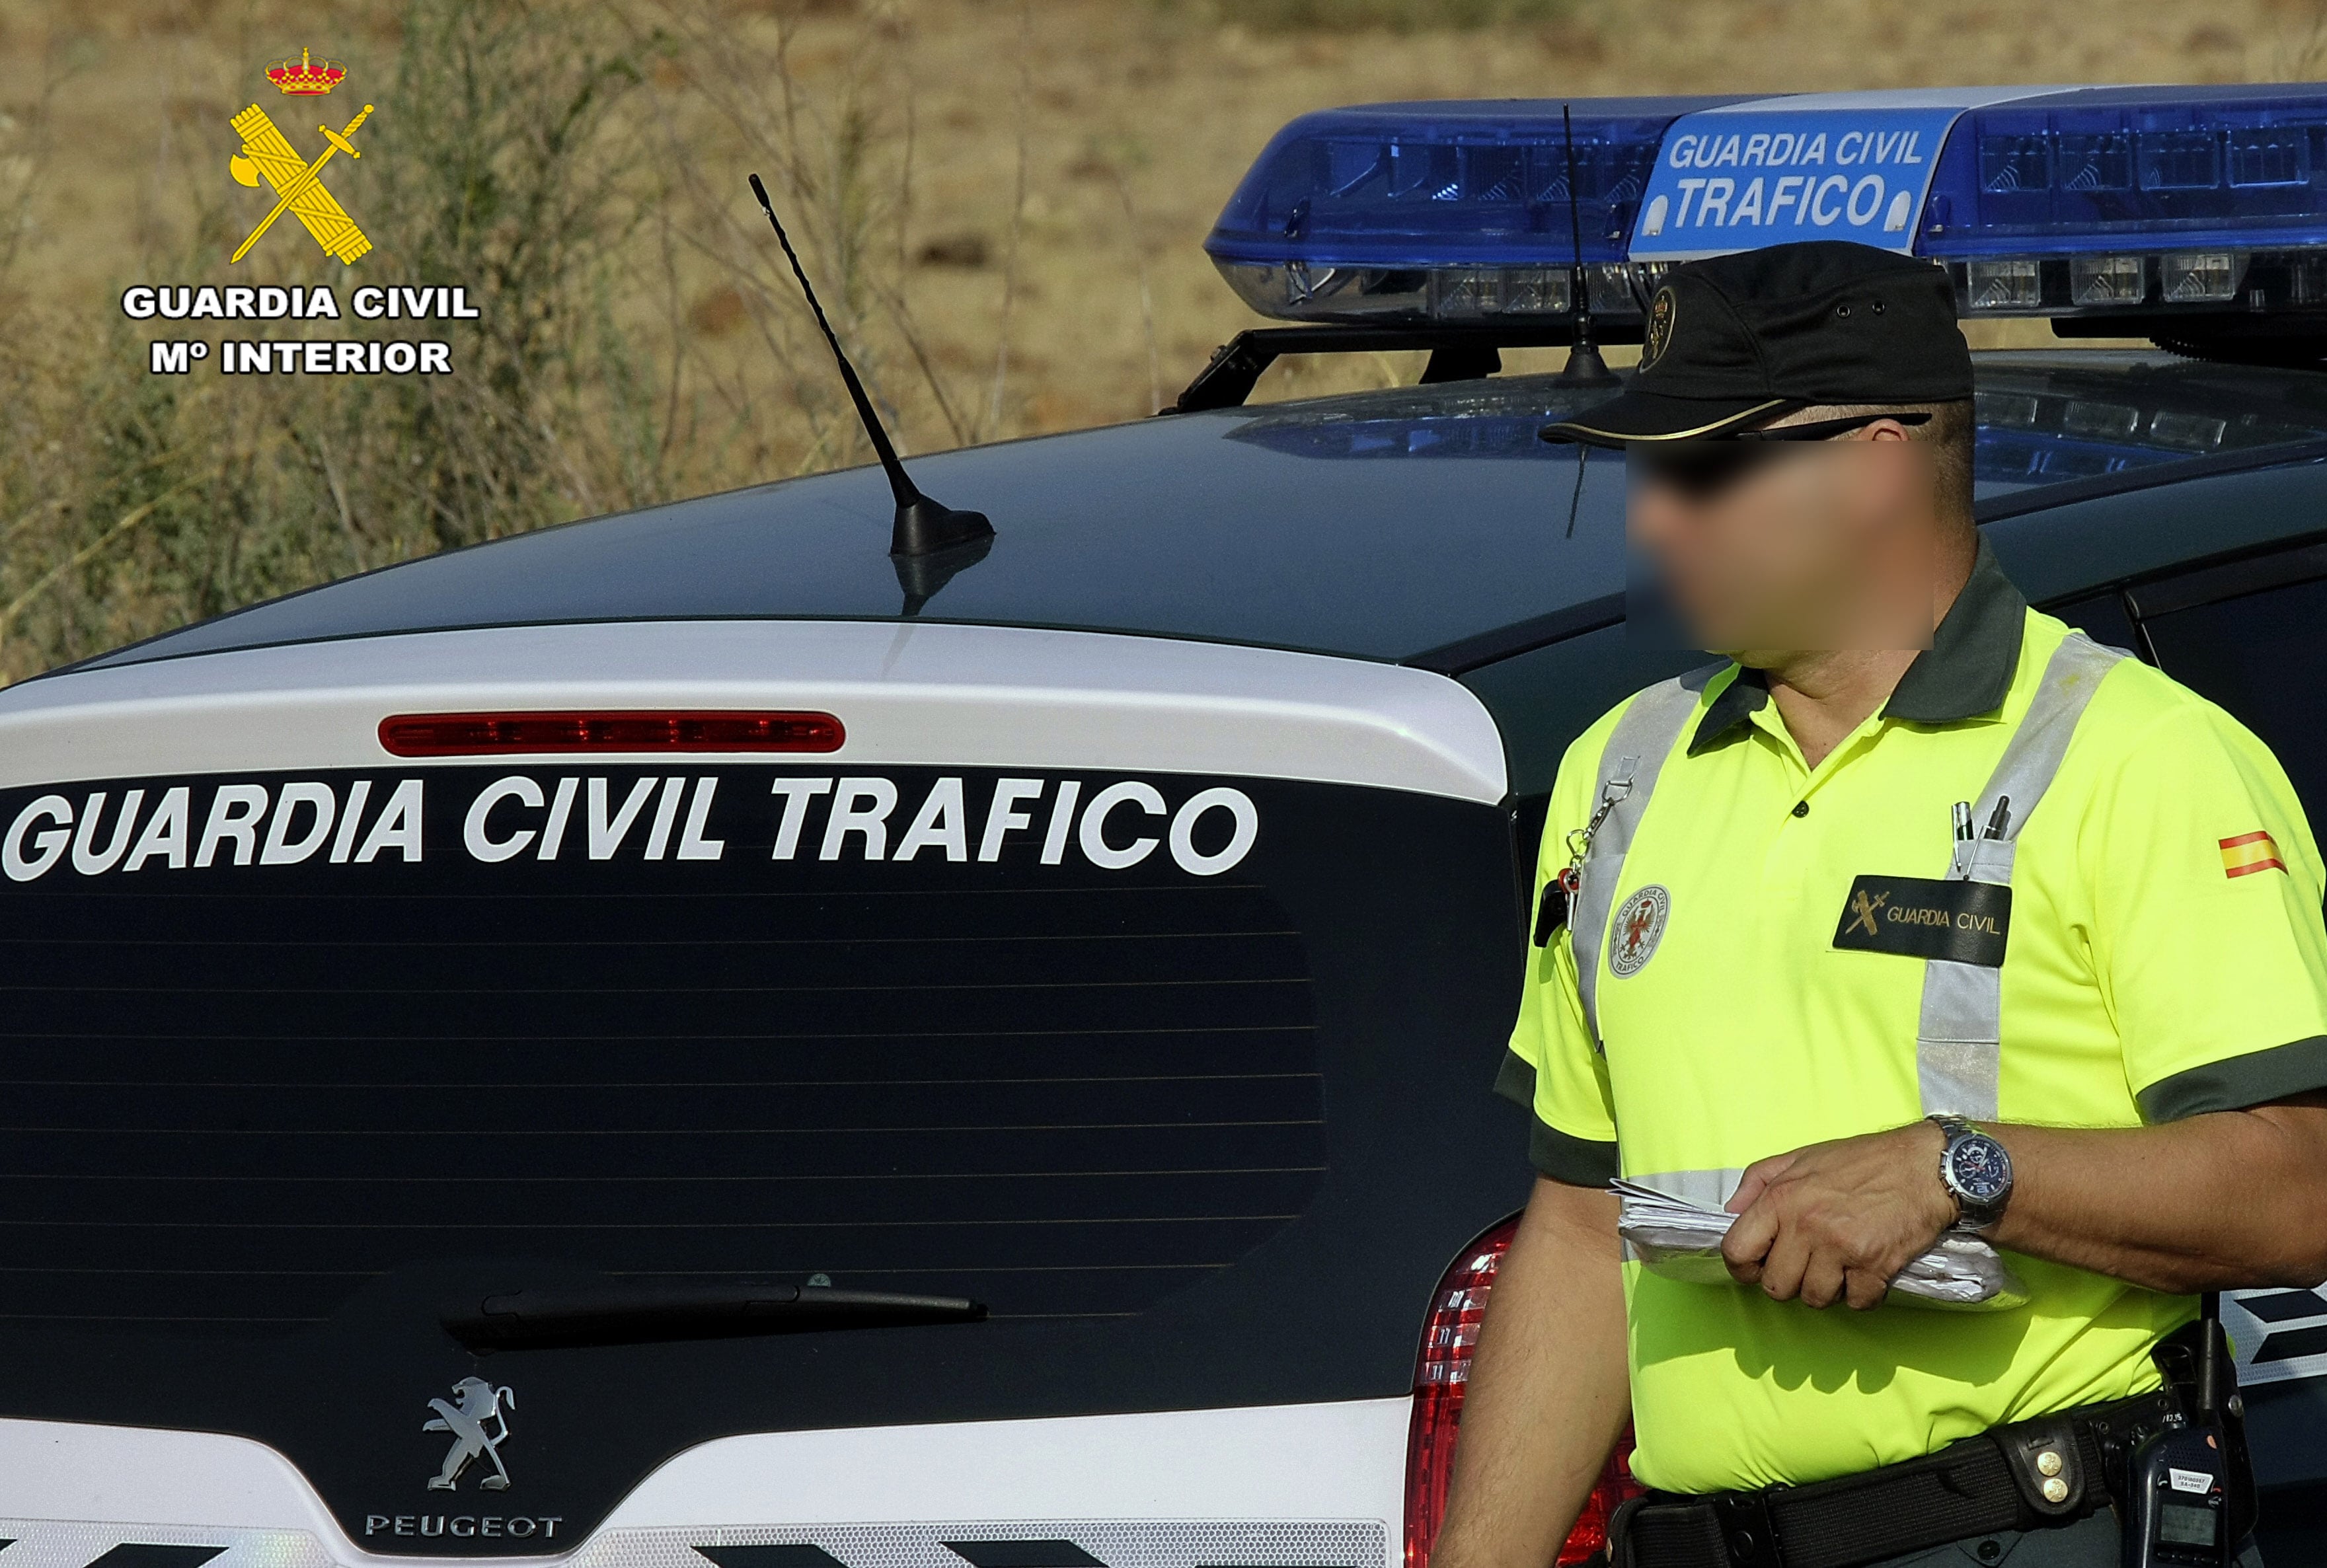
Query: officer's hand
(1839, 1220)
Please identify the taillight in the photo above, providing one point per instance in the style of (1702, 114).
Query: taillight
(1589, 1540)
(488, 734)
(1450, 1336)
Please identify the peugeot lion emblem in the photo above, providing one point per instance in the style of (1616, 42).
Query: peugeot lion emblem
(468, 1421)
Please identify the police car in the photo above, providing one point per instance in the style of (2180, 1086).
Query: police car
(688, 1037)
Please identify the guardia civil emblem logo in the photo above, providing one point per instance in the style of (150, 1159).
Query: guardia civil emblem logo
(1658, 334)
(298, 185)
(1639, 924)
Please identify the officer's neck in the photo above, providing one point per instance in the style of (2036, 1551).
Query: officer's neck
(1822, 695)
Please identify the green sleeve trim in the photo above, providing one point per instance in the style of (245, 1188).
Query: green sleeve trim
(1514, 1080)
(1577, 1162)
(2236, 1082)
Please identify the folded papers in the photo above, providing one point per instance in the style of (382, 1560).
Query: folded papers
(1680, 1240)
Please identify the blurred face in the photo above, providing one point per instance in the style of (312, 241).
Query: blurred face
(1767, 548)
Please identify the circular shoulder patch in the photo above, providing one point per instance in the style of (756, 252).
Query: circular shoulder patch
(1639, 924)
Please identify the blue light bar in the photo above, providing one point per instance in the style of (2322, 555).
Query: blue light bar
(2163, 198)
(1441, 210)
(2096, 168)
(2040, 202)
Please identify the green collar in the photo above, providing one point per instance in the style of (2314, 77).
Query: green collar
(1966, 672)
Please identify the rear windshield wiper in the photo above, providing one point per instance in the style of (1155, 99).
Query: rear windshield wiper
(619, 1314)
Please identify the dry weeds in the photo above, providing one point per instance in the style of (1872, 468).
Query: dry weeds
(1005, 200)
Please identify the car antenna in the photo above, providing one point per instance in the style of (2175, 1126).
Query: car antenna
(924, 528)
(1575, 496)
(1585, 366)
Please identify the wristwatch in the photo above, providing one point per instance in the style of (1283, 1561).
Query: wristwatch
(1977, 1171)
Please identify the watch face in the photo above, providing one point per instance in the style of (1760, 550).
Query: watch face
(1981, 1168)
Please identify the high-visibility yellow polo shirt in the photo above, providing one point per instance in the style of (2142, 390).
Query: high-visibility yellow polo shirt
(2164, 957)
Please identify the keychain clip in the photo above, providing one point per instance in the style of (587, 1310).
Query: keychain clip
(1558, 901)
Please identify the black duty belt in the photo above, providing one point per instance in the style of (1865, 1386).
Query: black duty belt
(2049, 1471)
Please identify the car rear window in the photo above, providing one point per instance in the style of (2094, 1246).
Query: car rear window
(238, 1093)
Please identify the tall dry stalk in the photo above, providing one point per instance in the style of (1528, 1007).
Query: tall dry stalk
(1017, 212)
(839, 165)
(2299, 47)
(1146, 293)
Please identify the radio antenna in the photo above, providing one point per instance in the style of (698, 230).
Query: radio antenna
(1585, 366)
(923, 526)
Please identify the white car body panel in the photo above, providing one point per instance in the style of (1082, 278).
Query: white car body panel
(908, 694)
(1265, 1485)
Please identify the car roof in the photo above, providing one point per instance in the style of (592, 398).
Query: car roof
(1402, 525)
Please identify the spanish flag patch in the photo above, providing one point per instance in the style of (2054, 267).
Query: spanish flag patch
(2249, 852)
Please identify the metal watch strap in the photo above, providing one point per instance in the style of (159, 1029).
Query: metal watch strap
(1968, 1218)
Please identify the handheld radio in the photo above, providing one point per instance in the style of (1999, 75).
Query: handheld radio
(2189, 1493)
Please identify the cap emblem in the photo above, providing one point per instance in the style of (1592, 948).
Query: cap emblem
(1658, 334)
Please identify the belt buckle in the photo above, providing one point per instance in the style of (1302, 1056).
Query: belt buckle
(1746, 1530)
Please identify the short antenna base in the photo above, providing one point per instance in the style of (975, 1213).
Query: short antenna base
(1586, 368)
(919, 577)
(925, 526)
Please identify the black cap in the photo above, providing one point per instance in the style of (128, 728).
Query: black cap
(1734, 341)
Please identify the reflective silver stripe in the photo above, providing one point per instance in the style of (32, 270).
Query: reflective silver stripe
(1629, 764)
(1705, 1188)
(1958, 1050)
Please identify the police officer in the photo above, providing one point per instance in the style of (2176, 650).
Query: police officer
(1919, 911)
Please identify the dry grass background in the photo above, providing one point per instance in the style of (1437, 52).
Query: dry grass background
(1004, 199)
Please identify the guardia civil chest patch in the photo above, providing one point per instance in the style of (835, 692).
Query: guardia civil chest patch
(1965, 922)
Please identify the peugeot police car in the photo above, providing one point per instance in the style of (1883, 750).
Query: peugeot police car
(690, 1038)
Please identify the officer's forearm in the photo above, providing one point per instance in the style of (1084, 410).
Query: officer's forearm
(1547, 1394)
(2218, 1201)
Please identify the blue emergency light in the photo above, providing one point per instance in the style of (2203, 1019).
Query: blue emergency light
(1440, 211)
(2063, 202)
